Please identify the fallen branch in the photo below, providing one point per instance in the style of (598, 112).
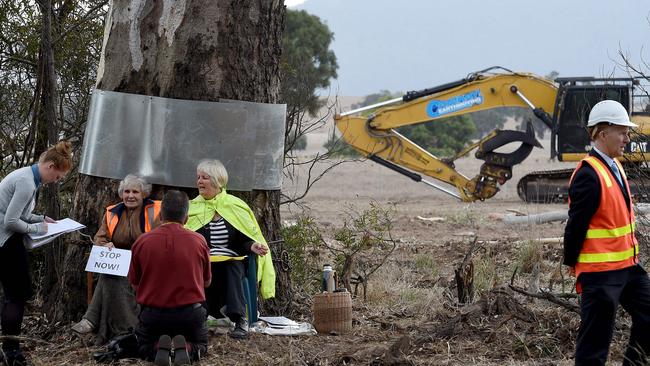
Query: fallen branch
(556, 240)
(549, 297)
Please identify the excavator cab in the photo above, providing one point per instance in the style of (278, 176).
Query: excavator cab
(570, 139)
(575, 98)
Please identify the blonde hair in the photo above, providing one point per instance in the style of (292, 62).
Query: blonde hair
(217, 172)
(132, 180)
(595, 130)
(59, 154)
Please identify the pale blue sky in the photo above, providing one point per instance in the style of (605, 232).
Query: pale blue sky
(415, 44)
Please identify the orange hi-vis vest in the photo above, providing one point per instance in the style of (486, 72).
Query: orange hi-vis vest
(610, 243)
(151, 211)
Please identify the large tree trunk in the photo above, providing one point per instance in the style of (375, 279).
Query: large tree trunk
(185, 49)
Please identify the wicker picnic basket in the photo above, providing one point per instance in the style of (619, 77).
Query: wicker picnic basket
(332, 312)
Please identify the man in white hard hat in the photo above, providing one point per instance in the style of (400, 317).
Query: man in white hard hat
(600, 246)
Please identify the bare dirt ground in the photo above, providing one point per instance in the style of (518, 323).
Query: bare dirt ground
(411, 315)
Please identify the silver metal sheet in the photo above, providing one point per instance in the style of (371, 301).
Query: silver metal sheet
(163, 139)
(269, 153)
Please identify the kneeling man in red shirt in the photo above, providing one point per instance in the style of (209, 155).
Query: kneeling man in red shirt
(170, 269)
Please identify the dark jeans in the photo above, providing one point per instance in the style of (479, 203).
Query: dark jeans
(227, 290)
(188, 321)
(17, 286)
(601, 294)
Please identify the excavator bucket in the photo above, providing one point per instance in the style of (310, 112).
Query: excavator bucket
(500, 138)
(498, 166)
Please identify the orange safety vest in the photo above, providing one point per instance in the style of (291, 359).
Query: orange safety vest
(151, 211)
(610, 243)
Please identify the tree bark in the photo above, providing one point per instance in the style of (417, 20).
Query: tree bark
(185, 49)
(47, 135)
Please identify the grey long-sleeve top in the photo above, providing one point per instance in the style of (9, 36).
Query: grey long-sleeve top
(17, 200)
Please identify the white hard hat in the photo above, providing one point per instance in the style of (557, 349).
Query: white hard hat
(609, 111)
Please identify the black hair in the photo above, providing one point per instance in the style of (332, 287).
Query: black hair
(175, 206)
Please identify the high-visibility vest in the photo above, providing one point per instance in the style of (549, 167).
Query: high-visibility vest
(151, 211)
(610, 243)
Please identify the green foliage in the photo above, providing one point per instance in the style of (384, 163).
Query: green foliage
(529, 255)
(302, 242)
(300, 143)
(425, 264)
(307, 62)
(382, 96)
(364, 244)
(77, 29)
(443, 137)
(485, 273)
(338, 148)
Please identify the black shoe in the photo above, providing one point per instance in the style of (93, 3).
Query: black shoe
(181, 357)
(241, 329)
(162, 355)
(16, 358)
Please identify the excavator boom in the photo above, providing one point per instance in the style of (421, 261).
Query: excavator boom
(375, 136)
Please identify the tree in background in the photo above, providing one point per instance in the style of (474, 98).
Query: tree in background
(444, 137)
(307, 66)
(307, 63)
(49, 50)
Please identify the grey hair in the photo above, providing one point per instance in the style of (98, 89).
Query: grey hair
(217, 172)
(134, 180)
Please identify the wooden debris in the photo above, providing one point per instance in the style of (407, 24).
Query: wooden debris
(517, 212)
(430, 219)
(537, 218)
(464, 275)
(549, 297)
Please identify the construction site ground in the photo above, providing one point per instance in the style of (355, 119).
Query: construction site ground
(411, 315)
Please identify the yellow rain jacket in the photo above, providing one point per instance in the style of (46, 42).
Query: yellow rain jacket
(240, 216)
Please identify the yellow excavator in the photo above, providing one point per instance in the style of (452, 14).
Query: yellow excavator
(562, 105)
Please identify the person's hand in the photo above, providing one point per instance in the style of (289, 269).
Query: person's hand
(109, 245)
(259, 249)
(49, 219)
(42, 228)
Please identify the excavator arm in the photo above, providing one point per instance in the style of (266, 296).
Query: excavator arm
(375, 136)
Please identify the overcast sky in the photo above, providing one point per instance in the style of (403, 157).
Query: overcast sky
(416, 44)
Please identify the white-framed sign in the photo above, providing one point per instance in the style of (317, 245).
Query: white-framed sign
(109, 261)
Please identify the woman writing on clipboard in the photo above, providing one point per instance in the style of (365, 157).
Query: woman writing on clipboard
(17, 199)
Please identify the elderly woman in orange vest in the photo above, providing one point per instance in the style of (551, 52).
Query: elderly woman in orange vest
(113, 309)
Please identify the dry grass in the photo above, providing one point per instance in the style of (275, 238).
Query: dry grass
(411, 316)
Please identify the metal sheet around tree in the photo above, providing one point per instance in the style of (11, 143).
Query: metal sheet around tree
(163, 139)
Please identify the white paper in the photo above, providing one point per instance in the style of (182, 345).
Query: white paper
(109, 261)
(294, 329)
(54, 230)
(62, 226)
(278, 321)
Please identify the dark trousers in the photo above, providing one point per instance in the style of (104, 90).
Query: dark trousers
(227, 290)
(17, 286)
(188, 321)
(601, 294)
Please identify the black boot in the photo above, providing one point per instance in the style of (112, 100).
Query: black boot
(16, 358)
(241, 329)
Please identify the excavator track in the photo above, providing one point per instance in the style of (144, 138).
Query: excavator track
(552, 186)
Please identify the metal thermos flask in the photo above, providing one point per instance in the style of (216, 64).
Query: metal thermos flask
(329, 279)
